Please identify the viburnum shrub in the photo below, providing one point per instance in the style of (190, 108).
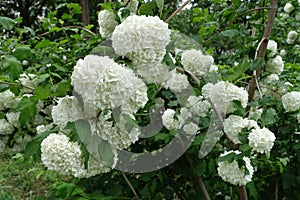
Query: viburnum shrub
(146, 98)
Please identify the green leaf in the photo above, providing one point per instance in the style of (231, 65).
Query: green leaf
(257, 64)
(244, 147)
(236, 3)
(231, 33)
(95, 145)
(27, 107)
(229, 157)
(147, 9)
(269, 117)
(75, 8)
(22, 52)
(7, 23)
(160, 5)
(12, 67)
(43, 92)
(62, 88)
(240, 110)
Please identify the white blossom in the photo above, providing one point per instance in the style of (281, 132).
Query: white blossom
(13, 118)
(7, 99)
(272, 46)
(292, 36)
(291, 101)
(62, 155)
(261, 140)
(190, 128)
(5, 127)
(43, 128)
(170, 121)
(233, 173)
(283, 52)
(234, 124)
(255, 113)
(66, 110)
(141, 38)
(275, 65)
(153, 72)
(177, 82)
(223, 93)
(195, 62)
(198, 105)
(29, 80)
(107, 23)
(288, 8)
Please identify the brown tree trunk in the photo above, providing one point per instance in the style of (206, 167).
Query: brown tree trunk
(85, 16)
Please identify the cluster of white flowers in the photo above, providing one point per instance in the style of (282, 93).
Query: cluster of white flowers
(5, 127)
(64, 156)
(291, 101)
(29, 80)
(141, 39)
(275, 65)
(255, 113)
(223, 93)
(272, 46)
(174, 122)
(43, 128)
(13, 118)
(198, 105)
(177, 82)
(288, 8)
(7, 99)
(261, 140)
(234, 124)
(107, 23)
(292, 36)
(66, 110)
(195, 62)
(233, 173)
(153, 72)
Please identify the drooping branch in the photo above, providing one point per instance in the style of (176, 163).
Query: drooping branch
(177, 11)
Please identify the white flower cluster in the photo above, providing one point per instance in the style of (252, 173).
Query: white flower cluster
(288, 8)
(275, 65)
(153, 72)
(195, 62)
(107, 23)
(174, 122)
(233, 173)
(198, 105)
(272, 46)
(7, 99)
(177, 82)
(66, 110)
(29, 80)
(5, 127)
(291, 101)
(141, 39)
(223, 93)
(261, 140)
(64, 156)
(13, 118)
(234, 124)
(292, 36)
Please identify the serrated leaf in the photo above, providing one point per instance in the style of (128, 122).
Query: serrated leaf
(12, 66)
(22, 52)
(7, 23)
(269, 117)
(147, 9)
(43, 92)
(95, 145)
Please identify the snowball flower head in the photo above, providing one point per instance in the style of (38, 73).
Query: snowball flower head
(66, 110)
(177, 82)
(234, 124)
(291, 101)
(288, 8)
(272, 46)
(107, 23)
(62, 155)
(223, 93)
(5, 127)
(153, 72)
(292, 36)
(198, 105)
(275, 65)
(195, 62)
(142, 38)
(7, 99)
(13, 118)
(233, 173)
(169, 120)
(261, 140)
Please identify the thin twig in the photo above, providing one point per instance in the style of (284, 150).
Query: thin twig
(192, 75)
(177, 11)
(17, 85)
(130, 185)
(234, 19)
